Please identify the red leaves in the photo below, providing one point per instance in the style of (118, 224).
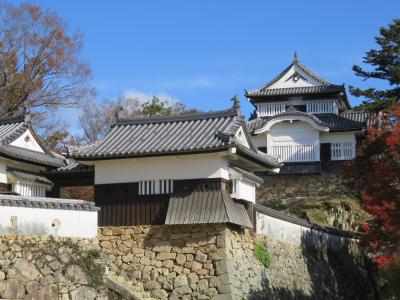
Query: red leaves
(382, 261)
(375, 174)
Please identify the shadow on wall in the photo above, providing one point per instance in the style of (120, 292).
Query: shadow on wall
(339, 272)
(25, 228)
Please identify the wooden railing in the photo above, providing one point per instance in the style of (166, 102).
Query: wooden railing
(325, 106)
(270, 109)
(296, 153)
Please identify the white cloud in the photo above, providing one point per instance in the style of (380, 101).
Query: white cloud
(147, 96)
(200, 82)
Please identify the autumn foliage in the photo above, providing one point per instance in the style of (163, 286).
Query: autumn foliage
(375, 174)
(39, 60)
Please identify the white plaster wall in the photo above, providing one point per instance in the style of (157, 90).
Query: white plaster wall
(245, 190)
(241, 137)
(285, 83)
(298, 132)
(165, 167)
(3, 172)
(294, 234)
(74, 223)
(31, 144)
(336, 137)
(260, 140)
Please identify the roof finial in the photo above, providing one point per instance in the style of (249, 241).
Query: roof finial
(236, 104)
(117, 112)
(295, 58)
(27, 114)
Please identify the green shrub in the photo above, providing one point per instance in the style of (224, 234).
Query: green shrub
(87, 261)
(261, 252)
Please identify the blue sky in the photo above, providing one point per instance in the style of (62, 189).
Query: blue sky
(204, 52)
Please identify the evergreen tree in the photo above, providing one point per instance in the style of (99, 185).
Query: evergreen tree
(386, 66)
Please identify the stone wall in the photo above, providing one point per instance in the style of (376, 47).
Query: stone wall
(296, 272)
(36, 268)
(176, 262)
(280, 190)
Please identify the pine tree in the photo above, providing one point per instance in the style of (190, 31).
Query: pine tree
(385, 61)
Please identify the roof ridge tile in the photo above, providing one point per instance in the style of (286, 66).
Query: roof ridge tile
(177, 118)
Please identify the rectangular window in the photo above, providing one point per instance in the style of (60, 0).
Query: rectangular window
(28, 189)
(270, 109)
(155, 187)
(342, 151)
(325, 106)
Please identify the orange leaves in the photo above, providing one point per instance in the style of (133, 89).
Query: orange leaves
(40, 60)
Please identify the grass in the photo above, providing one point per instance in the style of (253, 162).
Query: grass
(94, 271)
(262, 254)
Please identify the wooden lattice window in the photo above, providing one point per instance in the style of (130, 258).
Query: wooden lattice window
(154, 187)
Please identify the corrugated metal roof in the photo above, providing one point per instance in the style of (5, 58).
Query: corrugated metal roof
(50, 203)
(205, 205)
(185, 134)
(29, 177)
(342, 122)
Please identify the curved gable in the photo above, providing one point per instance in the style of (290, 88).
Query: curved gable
(28, 140)
(314, 122)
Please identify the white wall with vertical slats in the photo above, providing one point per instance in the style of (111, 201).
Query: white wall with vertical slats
(295, 141)
(322, 106)
(270, 109)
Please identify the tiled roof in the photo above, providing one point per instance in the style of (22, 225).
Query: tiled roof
(204, 206)
(73, 165)
(293, 91)
(248, 175)
(323, 86)
(29, 177)
(305, 69)
(49, 203)
(172, 135)
(11, 129)
(345, 121)
(27, 155)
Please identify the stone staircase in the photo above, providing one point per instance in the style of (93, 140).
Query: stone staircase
(126, 289)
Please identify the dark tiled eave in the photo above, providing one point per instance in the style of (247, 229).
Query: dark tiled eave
(335, 123)
(177, 118)
(248, 175)
(48, 203)
(29, 156)
(295, 91)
